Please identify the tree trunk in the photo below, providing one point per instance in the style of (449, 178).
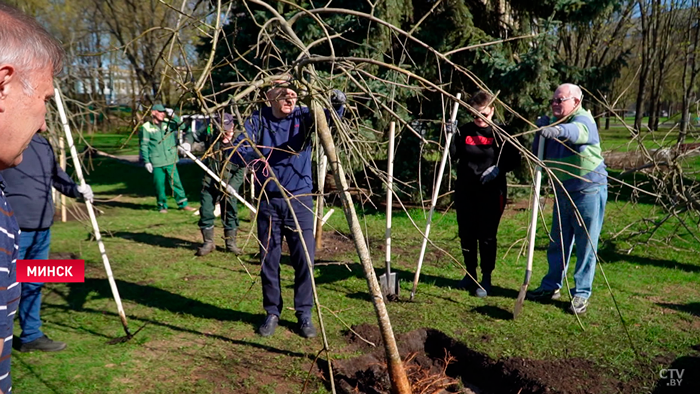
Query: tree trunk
(639, 106)
(690, 69)
(397, 374)
(653, 113)
(598, 109)
(649, 18)
(685, 117)
(654, 96)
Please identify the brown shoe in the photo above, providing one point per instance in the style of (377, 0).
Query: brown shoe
(188, 208)
(163, 210)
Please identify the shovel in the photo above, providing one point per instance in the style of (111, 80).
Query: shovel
(93, 220)
(219, 180)
(436, 194)
(533, 229)
(389, 281)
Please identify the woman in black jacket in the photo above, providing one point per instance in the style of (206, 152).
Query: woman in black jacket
(480, 191)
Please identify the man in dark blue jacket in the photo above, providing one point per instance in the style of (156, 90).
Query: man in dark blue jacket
(29, 192)
(282, 134)
(29, 58)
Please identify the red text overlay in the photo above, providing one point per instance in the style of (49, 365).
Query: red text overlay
(51, 271)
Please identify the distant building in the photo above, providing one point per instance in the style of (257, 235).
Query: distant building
(115, 85)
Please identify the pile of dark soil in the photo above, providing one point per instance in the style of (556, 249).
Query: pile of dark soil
(432, 356)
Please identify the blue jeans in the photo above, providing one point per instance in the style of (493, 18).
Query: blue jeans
(591, 205)
(33, 245)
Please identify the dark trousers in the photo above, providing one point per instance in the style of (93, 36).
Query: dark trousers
(479, 211)
(212, 194)
(274, 222)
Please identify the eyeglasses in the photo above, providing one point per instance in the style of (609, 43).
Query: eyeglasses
(285, 97)
(560, 100)
(485, 114)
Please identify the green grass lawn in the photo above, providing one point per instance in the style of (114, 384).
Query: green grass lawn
(200, 314)
(116, 144)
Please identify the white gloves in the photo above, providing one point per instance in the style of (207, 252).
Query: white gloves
(551, 132)
(86, 191)
(451, 127)
(149, 167)
(185, 147)
(230, 190)
(490, 174)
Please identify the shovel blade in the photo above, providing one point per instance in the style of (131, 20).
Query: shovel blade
(390, 284)
(519, 301)
(521, 295)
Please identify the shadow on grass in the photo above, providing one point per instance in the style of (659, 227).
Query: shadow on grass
(136, 181)
(609, 255)
(146, 322)
(35, 371)
(156, 240)
(494, 312)
(693, 308)
(624, 193)
(504, 292)
(153, 297)
(337, 273)
(687, 369)
(128, 205)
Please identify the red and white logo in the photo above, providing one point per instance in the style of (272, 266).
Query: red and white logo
(56, 271)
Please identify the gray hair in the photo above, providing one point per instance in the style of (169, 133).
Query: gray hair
(574, 90)
(26, 45)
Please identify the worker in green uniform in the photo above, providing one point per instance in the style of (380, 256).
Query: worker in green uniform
(158, 145)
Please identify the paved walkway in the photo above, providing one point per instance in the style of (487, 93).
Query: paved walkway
(134, 159)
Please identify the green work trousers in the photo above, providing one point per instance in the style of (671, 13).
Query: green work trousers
(168, 175)
(213, 194)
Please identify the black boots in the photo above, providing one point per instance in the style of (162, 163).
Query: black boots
(208, 246)
(481, 290)
(268, 327)
(230, 239)
(467, 283)
(485, 288)
(43, 344)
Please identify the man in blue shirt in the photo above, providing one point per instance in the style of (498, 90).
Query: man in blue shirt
(29, 192)
(573, 153)
(282, 134)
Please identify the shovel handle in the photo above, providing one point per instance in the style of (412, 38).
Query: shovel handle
(535, 206)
